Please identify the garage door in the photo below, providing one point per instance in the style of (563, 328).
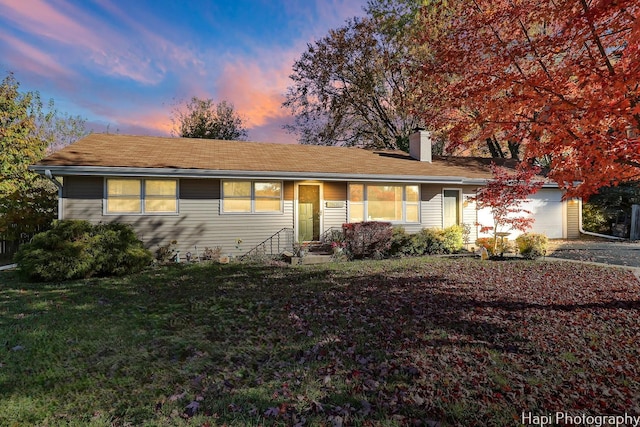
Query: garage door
(546, 208)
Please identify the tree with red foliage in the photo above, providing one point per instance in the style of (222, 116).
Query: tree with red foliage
(505, 196)
(559, 77)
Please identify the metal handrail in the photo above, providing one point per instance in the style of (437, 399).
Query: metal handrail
(281, 241)
(328, 232)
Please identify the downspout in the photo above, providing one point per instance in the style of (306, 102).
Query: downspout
(589, 233)
(48, 174)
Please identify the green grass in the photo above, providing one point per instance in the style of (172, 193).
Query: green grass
(383, 343)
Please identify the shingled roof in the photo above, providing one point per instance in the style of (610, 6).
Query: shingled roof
(98, 153)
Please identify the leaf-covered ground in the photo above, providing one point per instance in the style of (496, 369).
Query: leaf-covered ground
(426, 341)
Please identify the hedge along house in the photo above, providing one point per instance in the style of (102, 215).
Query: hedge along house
(233, 194)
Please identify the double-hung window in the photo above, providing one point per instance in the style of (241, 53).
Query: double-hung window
(251, 196)
(140, 196)
(384, 202)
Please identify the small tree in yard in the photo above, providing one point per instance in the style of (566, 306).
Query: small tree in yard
(203, 118)
(504, 196)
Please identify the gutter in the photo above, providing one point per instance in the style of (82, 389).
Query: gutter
(590, 233)
(243, 174)
(49, 175)
(248, 174)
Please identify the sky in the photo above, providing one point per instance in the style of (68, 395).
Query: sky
(124, 65)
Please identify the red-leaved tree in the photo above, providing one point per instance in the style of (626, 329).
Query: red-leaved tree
(505, 196)
(560, 77)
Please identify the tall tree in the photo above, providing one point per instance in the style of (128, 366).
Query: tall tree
(29, 130)
(350, 87)
(61, 129)
(27, 201)
(203, 118)
(559, 77)
(20, 142)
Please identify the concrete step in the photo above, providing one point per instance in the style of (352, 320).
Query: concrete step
(316, 259)
(311, 259)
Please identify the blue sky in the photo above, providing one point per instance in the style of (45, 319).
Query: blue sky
(123, 64)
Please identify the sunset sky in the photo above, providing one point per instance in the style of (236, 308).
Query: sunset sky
(123, 64)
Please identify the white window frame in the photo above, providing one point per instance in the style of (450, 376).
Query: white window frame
(253, 183)
(365, 201)
(142, 211)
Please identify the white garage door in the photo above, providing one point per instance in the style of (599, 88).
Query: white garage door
(546, 208)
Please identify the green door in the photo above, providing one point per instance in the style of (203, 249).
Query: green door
(308, 213)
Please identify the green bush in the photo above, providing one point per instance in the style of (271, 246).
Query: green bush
(119, 251)
(428, 241)
(75, 249)
(596, 218)
(452, 238)
(400, 242)
(433, 241)
(532, 245)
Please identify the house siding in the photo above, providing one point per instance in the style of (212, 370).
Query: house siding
(82, 198)
(199, 222)
(469, 213)
(430, 208)
(334, 214)
(573, 219)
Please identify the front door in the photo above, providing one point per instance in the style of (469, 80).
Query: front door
(308, 212)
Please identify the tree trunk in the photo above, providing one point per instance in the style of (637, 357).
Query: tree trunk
(494, 148)
(514, 149)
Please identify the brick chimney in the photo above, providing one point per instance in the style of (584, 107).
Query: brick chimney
(420, 145)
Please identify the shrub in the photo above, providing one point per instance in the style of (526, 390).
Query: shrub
(433, 241)
(211, 254)
(400, 242)
(119, 251)
(75, 249)
(532, 245)
(452, 238)
(167, 253)
(502, 246)
(428, 241)
(367, 239)
(596, 218)
(62, 253)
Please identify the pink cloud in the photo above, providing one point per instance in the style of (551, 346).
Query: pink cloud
(33, 59)
(256, 93)
(339, 10)
(109, 49)
(157, 120)
(151, 122)
(169, 51)
(257, 84)
(38, 17)
(272, 131)
(123, 46)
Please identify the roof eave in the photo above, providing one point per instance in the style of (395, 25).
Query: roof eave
(247, 174)
(243, 174)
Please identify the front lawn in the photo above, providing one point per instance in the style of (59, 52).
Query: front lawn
(400, 342)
